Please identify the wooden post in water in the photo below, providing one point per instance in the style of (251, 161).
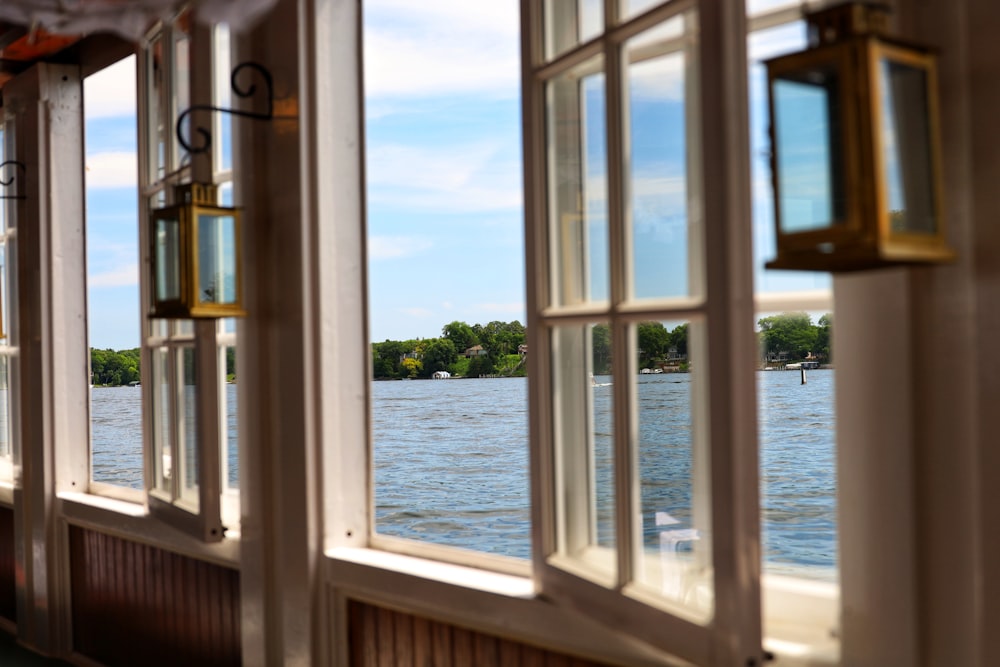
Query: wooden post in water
(803, 371)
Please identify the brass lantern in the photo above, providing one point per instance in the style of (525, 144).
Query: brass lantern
(194, 255)
(855, 160)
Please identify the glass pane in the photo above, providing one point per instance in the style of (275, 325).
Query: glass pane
(808, 145)
(762, 45)
(578, 185)
(906, 148)
(797, 424)
(216, 259)
(157, 107)
(187, 414)
(571, 22)
(167, 259)
(584, 440)
(675, 561)
(230, 412)
(163, 460)
(181, 87)
(6, 442)
(223, 153)
(661, 176)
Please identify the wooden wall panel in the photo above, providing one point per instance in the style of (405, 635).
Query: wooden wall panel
(384, 638)
(8, 593)
(134, 604)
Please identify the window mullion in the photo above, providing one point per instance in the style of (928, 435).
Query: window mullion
(619, 271)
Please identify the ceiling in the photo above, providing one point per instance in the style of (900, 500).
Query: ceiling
(20, 48)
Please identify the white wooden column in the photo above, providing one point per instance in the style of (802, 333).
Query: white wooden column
(52, 381)
(285, 342)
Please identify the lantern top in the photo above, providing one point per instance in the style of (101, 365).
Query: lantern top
(846, 20)
(197, 194)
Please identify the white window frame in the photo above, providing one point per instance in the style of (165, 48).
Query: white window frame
(212, 514)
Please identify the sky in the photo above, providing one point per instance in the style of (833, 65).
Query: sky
(443, 168)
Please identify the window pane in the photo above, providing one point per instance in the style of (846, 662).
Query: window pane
(584, 439)
(223, 153)
(187, 413)
(230, 411)
(163, 450)
(217, 259)
(808, 145)
(571, 22)
(906, 142)
(156, 104)
(168, 259)
(181, 88)
(675, 561)
(661, 183)
(578, 185)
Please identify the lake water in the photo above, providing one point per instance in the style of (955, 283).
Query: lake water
(451, 460)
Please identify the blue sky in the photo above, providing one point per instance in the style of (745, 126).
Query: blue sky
(444, 176)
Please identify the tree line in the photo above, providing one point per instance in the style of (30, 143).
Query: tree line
(111, 368)
(493, 350)
(794, 337)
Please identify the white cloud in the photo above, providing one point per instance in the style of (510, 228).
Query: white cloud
(113, 169)
(396, 247)
(123, 276)
(441, 47)
(111, 92)
(463, 178)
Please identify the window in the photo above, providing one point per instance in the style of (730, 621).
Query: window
(116, 460)
(8, 325)
(647, 515)
(187, 365)
(446, 290)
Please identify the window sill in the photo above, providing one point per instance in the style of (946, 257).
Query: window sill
(802, 612)
(131, 521)
(498, 604)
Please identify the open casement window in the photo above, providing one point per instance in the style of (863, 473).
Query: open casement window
(184, 362)
(640, 296)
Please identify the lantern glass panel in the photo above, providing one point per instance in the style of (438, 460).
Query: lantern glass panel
(906, 148)
(808, 143)
(217, 258)
(167, 259)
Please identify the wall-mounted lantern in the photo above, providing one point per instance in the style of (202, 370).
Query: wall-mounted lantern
(194, 255)
(855, 159)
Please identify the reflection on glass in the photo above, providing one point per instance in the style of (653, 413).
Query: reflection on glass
(578, 186)
(181, 83)
(906, 148)
(808, 138)
(168, 259)
(584, 439)
(571, 22)
(223, 155)
(187, 417)
(157, 106)
(216, 259)
(163, 460)
(661, 176)
(676, 555)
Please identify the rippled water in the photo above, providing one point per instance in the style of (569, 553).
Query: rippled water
(451, 461)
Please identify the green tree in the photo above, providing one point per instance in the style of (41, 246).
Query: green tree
(480, 366)
(461, 335)
(653, 343)
(793, 333)
(824, 331)
(411, 367)
(438, 354)
(601, 342)
(679, 339)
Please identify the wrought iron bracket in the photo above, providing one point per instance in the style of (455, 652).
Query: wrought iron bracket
(10, 179)
(248, 92)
